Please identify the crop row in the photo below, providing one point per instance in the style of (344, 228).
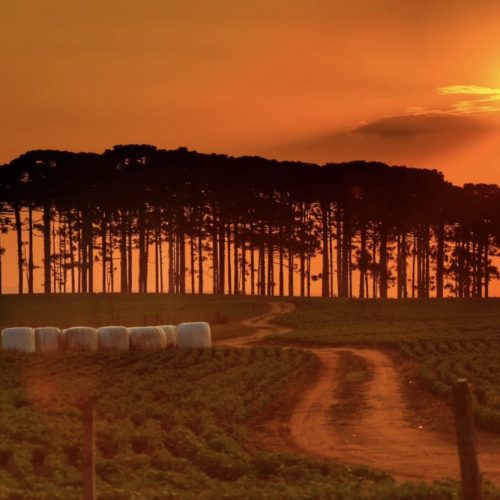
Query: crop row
(169, 425)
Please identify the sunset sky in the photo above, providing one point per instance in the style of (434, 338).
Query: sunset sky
(414, 82)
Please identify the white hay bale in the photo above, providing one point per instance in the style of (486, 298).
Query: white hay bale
(147, 338)
(113, 338)
(18, 339)
(48, 339)
(194, 335)
(170, 333)
(80, 338)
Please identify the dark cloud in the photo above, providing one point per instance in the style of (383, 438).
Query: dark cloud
(396, 140)
(423, 124)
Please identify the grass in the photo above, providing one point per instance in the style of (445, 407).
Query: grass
(65, 310)
(170, 425)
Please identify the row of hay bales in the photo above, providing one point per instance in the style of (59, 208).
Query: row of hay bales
(107, 338)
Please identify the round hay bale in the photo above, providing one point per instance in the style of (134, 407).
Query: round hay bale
(194, 335)
(171, 334)
(80, 338)
(18, 339)
(48, 339)
(147, 338)
(113, 338)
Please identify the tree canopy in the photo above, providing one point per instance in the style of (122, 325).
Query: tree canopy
(147, 219)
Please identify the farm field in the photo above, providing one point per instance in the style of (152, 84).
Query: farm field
(65, 310)
(181, 424)
(169, 425)
(448, 338)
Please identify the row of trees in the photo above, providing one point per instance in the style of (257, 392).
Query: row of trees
(137, 218)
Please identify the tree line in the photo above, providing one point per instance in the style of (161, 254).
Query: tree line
(137, 219)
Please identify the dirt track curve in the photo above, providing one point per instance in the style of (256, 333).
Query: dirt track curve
(379, 435)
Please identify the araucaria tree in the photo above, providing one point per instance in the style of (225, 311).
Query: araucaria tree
(140, 219)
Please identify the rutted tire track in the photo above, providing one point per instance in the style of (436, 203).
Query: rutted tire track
(380, 436)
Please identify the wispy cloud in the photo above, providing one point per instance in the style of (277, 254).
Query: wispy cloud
(468, 90)
(473, 99)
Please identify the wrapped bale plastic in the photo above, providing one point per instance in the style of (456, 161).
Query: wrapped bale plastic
(48, 339)
(20, 339)
(171, 335)
(80, 338)
(147, 338)
(195, 335)
(113, 338)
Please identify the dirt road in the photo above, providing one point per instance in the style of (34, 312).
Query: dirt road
(379, 435)
(262, 325)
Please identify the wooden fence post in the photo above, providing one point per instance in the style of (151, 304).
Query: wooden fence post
(88, 472)
(466, 441)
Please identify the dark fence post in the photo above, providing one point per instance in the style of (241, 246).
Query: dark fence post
(466, 441)
(88, 472)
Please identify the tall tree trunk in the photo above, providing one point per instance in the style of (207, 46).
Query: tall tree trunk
(2, 250)
(229, 261)
(376, 272)
(182, 259)
(146, 259)
(486, 267)
(440, 261)
(215, 257)
(404, 265)
(383, 262)
(270, 262)
(236, 287)
(104, 250)
(19, 239)
(339, 253)
(177, 263)
(191, 247)
(243, 260)
(171, 260)
(47, 263)
(222, 258)
(262, 260)
(362, 260)
(331, 269)
(71, 250)
(479, 269)
(427, 276)
(63, 232)
(252, 268)
(129, 252)
(281, 262)
(160, 253)
(31, 263)
(325, 282)
(141, 223)
(302, 252)
(55, 259)
(111, 259)
(79, 249)
(413, 265)
(291, 263)
(157, 243)
(200, 264)
(346, 254)
(90, 241)
(123, 253)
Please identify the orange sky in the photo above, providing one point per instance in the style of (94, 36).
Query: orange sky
(291, 79)
(413, 82)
